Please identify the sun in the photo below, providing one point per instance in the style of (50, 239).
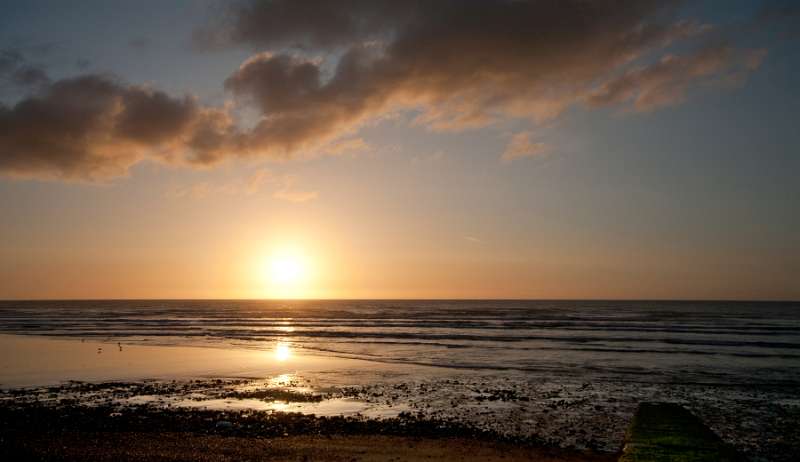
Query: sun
(287, 274)
(286, 270)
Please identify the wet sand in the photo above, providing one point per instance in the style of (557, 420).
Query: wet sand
(68, 432)
(570, 413)
(129, 446)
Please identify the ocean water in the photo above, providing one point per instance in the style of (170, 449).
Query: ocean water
(710, 343)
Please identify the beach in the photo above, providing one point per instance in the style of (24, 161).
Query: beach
(180, 447)
(75, 432)
(103, 383)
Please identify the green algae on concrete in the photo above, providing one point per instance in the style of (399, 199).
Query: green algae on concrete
(666, 432)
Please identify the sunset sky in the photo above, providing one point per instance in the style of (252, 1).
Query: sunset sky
(384, 149)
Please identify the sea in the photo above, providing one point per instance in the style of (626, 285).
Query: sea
(679, 342)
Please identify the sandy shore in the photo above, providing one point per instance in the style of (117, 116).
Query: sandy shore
(103, 433)
(760, 421)
(125, 446)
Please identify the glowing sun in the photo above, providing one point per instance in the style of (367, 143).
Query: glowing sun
(286, 270)
(287, 274)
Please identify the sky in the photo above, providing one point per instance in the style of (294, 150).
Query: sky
(381, 149)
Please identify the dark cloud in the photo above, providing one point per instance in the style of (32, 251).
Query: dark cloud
(326, 68)
(461, 64)
(305, 24)
(300, 111)
(30, 76)
(153, 116)
(94, 127)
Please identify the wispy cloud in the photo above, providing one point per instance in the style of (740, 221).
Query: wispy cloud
(347, 146)
(666, 82)
(288, 191)
(429, 158)
(521, 146)
(284, 187)
(247, 186)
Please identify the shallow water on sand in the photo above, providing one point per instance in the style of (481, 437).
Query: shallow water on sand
(31, 361)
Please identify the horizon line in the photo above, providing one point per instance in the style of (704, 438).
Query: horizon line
(520, 299)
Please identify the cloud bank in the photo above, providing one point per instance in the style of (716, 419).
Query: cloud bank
(322, 70)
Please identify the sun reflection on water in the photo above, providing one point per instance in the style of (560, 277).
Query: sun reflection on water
(283, 380)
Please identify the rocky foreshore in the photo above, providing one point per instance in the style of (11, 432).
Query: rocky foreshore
(62, 432)
(761, 423)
